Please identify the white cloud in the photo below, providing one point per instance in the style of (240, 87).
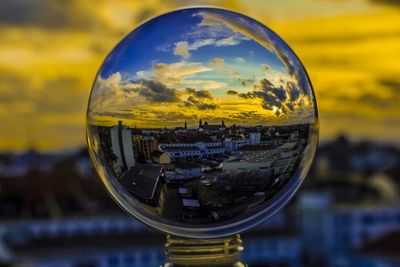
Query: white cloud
(204, 84)
(173, 74)
(181, 75)
(262, 36)
(218, 61)
(239, 60)
(182, 49)
(233, 40)
(107, 95)
(202, 42)
(205, 35)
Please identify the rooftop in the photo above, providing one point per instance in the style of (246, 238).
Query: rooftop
(255, 147)
(180, 148)
(187, 165)
(142, 180)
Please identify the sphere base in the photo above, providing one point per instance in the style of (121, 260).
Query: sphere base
(215, 252)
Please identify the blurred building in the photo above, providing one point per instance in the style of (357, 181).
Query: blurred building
(122, 147)
(55, 212)
(341, 228)
(384, 251)
(103, 241)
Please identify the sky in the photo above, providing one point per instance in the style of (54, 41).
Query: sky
(207, 64)
(50, 52)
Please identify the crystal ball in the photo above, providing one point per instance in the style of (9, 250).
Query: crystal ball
(202, 123)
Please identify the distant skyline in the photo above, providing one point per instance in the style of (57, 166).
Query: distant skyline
(48, 65)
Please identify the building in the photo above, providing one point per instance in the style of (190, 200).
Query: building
(289, 155)
(251, 158)
(177, 152)
(188, 170)
(144, 182)
(234, 143)
(190, 151)
(127, 146)
(272, 247)
(160, 157)
(206, 127)
(116, 149)
(342, 227)
(144, 146)
(122, 147)
(71, 242)
(255, 138)
(382, 251)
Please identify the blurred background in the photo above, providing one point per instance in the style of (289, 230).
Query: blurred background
(55, 212)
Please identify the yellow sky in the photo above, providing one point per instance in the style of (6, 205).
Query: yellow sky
(49, 56)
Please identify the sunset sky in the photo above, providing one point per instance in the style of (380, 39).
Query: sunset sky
(207, 64)
(50, 52)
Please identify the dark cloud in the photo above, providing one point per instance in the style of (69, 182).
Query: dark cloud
(246, 115)
(200, 105)
(268, 98)
(61, 95)
(293, 66)
(197, 99)
(119, 115)
(390, 83)
(247, 95)
(294, 93)
(199, 93)
(156, 92)
(231, 92)
(265, 84)
(13, 87)
(245, 81)
(290, 106)
(190, 90)
(344, 38)
(286, 59)
(280, 93)
(176, 116)
(266, 67)
(387, 2)
(48, 14)
(273, 97)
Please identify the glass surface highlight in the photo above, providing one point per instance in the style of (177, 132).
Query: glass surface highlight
(202, 123)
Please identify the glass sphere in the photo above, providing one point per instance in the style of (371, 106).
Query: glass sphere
(202, 122)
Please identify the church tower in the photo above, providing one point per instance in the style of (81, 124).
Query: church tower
(200, 124)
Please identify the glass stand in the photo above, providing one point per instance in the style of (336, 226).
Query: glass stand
(215, 252)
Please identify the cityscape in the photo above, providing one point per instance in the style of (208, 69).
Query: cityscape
(347, 214)
(54, 209)
(182, 173)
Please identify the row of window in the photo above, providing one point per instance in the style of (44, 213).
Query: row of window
(367, 219)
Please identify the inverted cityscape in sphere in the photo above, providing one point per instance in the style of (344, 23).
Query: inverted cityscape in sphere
(202, 122)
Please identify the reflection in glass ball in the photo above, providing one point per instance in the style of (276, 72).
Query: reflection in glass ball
(202, 122)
